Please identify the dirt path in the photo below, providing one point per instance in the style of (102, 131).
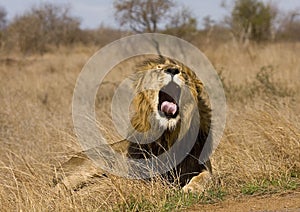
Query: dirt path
(277, 202)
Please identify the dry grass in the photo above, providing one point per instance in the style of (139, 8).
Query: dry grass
(259, 152)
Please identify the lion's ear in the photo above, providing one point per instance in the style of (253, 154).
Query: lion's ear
(167, 61)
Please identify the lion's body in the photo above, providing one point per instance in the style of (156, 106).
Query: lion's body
(145, 104)
(171, 109)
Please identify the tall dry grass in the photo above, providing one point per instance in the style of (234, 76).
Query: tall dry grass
(259, 151)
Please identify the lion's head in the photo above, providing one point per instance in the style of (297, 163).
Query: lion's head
(168, 93)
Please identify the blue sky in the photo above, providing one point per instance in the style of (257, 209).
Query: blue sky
(94, 12)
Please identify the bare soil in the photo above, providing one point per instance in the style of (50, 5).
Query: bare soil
(275, 202)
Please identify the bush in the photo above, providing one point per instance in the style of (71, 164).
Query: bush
(264, 86)
(252, 19)
(42, 27)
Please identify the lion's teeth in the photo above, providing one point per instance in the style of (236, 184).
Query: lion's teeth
(168, 107)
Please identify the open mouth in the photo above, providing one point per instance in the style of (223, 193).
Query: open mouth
(168, 99)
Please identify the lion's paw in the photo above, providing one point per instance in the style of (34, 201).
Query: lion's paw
(197, 183)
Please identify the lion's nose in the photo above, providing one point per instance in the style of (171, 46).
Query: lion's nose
(172, 71)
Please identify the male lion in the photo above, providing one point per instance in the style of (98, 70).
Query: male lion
(178, 108)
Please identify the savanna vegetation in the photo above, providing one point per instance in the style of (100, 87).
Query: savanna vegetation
(257, 61)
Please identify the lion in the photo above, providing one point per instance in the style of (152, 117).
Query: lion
(171, 109)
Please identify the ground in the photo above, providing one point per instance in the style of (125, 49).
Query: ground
(276, 202)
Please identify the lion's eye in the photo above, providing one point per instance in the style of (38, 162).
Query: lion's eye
(159, 67)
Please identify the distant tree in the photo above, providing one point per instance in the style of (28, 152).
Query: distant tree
(143, 15)
(182, 24)
(156, 15)
(290, 26)
(101, 36)
(208, 22)
(252, 19)
(43, 26)
(2, 25)
(3, 14)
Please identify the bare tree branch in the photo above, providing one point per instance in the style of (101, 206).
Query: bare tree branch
(143, 15)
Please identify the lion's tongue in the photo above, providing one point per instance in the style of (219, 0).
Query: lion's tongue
(168, 107)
